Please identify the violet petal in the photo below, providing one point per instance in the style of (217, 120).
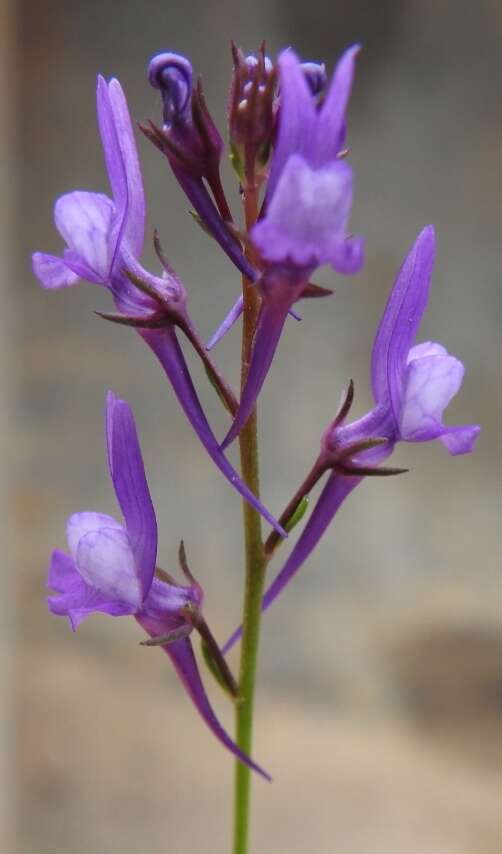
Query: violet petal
(115, 167)
(226, 324)
(460, 440)
(297, 117)
(400, 321)
(231, 318)
(331, 121)
(76, 599)
(430, 383)
(129, 480)
(136, 208)
(84, 221)
(106, 563)
(268, 331)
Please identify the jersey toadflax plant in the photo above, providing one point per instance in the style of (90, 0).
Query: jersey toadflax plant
(287, 136)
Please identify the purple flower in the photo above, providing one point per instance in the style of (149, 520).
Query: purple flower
(112, 567)
(308, 204)
(412, 386)
(309, 191)
(99, 230)
(104, 240)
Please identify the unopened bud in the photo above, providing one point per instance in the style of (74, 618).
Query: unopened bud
(172, 75)
(251, 112)
(188, 137)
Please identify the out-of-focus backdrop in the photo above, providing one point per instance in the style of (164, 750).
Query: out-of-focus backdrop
(380, 699)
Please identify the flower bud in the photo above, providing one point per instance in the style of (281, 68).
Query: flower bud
(172, 75)
(251, 113)
(189, 137)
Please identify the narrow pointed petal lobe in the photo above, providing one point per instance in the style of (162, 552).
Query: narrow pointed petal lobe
(112, 152)
(134, 232)
(400, 321)
(297, 117)
(331, 122)
(129, 480)
(226, 324)
(268, 331)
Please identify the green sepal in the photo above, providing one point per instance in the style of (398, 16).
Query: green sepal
(297, 515)
(236, 161)
(215, 671)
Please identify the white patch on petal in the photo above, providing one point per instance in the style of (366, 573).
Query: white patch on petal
(308, 213)
(106, 562)
(81, 524)
(85, 221)
(427, 348)
(430, 383)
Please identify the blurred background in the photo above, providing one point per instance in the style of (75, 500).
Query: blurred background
(380, 686)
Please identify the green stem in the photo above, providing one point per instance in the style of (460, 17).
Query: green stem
(255, 569)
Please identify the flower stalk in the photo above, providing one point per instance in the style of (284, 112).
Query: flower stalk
(255, 564)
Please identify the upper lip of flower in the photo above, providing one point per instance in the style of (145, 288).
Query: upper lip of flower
(315, 135)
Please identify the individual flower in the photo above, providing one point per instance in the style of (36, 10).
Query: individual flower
(412, 386)
(104, 238)
(111, 568)
(307, 207)
(309, 190)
